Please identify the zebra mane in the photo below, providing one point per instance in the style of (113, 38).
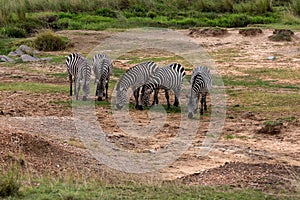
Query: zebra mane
(146, 63)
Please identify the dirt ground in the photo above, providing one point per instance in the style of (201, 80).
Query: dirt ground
(38, 132)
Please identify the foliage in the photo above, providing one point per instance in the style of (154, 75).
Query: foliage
(48, 41)
(13, 32)
(178, 13)
(9, 182)
(295, 7)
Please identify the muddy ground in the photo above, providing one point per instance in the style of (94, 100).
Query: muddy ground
(37, 129)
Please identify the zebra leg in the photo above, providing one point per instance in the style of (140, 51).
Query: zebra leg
(78, 89)
(75, 89)
(136, 94)
(168, 98)
(71, 83)
(176, 102)
(106, 89)
(202, 103)
(155, 97)
(97, 90)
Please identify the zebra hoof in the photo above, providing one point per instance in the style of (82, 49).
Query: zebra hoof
(84, 98)
(140, 107)
(99, 98)
(119, 107)
(190, 115)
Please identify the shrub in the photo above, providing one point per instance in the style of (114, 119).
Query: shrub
(295, 7)
(13, 32)
(48, 41)
(9, 183)
(31, 25)
(106, 12)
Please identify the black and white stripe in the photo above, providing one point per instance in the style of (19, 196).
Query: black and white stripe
(134, 78)
(169, 77)
(201, 83)
(102, 67)
(79, 71)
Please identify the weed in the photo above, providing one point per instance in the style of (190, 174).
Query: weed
(229, 136)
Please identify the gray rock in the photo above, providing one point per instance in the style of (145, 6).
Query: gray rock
(6, 58)
(19, 52)
(13, 53)
(28, 50)
(28, 58)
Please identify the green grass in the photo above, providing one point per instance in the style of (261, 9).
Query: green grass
(117, 72)
(267, 102)
(286, 73)
(254, 83)
(44, 188)
(5, 45)
(34, 87)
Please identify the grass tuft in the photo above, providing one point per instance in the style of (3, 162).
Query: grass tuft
(10, 182)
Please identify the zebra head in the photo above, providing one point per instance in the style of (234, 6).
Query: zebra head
(121, 97)
(192, 105)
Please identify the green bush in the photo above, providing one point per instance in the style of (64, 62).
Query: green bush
(106, 12)
(13, 32)
(31, 25)
(295, 7)
(9, 183)
(48, 41)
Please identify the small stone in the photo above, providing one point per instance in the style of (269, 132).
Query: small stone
(271, 58)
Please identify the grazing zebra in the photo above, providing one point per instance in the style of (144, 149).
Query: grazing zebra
(169, 77)
(201, 83)
(79, 71)
(102, 67)
(134, 78)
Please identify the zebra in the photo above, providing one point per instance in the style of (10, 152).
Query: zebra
(169, 77)
(79, 71)
(201, 83)
(102, 67)
(134, 78)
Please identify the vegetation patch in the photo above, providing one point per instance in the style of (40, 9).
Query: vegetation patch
(34, 87)
(281, 35)
(10, 182)
(212, 32)
(250, 31)
(48, 41)
(271, 127)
